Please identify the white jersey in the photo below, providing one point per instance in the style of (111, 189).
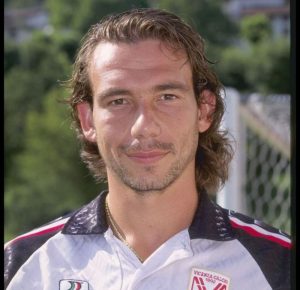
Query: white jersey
(221, 250)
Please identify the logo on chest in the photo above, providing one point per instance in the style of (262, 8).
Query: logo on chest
(73, 285)
(207, 280)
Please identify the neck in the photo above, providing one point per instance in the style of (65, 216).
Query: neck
(145, 221)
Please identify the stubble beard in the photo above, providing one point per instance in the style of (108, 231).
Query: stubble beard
(145, 184)
(148, 181)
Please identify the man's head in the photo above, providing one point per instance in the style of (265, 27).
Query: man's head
(213, 152)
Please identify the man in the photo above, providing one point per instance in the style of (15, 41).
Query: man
(147, 109)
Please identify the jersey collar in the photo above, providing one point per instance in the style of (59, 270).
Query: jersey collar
(210, 220)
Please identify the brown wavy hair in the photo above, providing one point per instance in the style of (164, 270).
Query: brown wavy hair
(214, 149)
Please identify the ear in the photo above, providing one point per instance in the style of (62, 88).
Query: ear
(206, 108)
(85, 115)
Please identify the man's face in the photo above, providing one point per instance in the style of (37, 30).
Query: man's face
(145, 117)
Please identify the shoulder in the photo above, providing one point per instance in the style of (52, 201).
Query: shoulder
(18, 250)
(256, 230)
(268, 246)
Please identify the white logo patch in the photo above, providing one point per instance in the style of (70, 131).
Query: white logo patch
(73, 285)
(207, 280)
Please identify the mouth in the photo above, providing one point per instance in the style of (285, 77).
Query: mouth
(147, 157)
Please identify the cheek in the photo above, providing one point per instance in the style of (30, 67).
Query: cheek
(189, 130)
(110, 131)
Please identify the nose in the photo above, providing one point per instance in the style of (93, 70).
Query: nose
(145, 124)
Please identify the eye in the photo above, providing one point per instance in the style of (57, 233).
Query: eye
(168, 97)
(118, 102)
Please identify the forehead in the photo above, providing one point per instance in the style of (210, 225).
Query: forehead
(145, 53)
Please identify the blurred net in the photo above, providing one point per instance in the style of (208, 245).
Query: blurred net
(267, 182)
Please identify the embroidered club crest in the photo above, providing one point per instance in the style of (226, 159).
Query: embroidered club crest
(207, 280)
(73, 285)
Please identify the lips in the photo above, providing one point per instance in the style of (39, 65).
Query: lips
(147, 156)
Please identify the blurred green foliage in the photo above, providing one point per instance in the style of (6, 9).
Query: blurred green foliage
(262, 67)
(207, 17)
(256, 28)
(48, 178)
(87, 12)
(44, 176)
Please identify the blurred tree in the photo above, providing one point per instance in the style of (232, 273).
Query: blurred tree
(88, 12)
(37, 69)
(67, 42)
(44, 185)
(256, 28)
(261, 63)
(11, 55)
(269, 66)
(263, 67)
(42, 56)
(206, 16)
(22, 93)
(232, 68)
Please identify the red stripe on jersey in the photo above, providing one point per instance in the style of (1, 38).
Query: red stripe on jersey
(253, 232)
(38, 233)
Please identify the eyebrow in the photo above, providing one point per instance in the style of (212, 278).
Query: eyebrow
(125, 92)
(112, 92)
(170, 86)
